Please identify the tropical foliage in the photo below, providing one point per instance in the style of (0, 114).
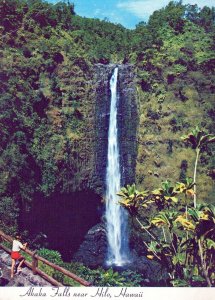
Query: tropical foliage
(181, 235)
(184, 243)
(198, 140)
(97, 277)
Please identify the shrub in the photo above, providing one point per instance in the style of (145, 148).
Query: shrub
(51, 255)
(9, 212)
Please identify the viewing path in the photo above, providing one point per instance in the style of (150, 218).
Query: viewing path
(31, 274)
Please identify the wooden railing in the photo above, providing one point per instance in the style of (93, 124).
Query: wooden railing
(34, 264)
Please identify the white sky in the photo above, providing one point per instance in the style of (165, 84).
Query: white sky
(144, 8)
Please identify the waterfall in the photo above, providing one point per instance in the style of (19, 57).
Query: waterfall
(116, 216)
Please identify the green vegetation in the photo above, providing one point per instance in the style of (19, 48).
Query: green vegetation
(184, 244)
(8, 215)
(184, 241)
(198, 141)
(47, 122)
(98, 277)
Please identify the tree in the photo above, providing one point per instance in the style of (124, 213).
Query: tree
(11, 14)
(42, 13)
(64, 13)
(8, 215)
(198, 139)
(185, 246)
(207, 18)
(172, 15)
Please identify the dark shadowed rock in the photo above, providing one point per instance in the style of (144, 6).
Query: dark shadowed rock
(152, 271)
(92, 251)
(127, 119)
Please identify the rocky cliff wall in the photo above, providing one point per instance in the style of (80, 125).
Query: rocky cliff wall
(127, 122)
(82, 158)
(92, 251)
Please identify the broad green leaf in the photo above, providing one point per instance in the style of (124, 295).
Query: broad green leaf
(174, 199)
(185, 223)
(179, 283)
(210, 244)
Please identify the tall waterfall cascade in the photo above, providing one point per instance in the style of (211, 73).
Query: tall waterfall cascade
(116, 216)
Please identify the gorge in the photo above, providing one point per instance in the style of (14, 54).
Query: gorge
(56, 69)
(86, 203)
(116, 150)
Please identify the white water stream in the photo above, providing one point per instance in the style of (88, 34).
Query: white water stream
(116, 216)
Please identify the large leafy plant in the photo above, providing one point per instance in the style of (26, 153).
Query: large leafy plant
(181, 236)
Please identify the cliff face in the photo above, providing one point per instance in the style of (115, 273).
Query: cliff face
(127, 122)
(79, 136)
(102, 75)
(80, 126)
(92, 251)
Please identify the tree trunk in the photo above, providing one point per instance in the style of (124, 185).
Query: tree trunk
(204, 264)
(194, 176)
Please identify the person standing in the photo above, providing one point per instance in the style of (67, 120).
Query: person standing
(15, 254)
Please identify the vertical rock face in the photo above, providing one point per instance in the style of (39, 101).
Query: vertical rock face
(92, 251)
(102, 108)
(127, 122)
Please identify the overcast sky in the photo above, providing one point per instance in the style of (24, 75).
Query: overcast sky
(126, 12)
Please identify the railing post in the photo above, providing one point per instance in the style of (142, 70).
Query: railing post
(34, 263)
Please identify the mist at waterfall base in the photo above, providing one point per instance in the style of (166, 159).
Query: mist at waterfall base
(118, 253)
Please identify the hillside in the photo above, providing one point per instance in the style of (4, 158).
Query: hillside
(176, 93)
